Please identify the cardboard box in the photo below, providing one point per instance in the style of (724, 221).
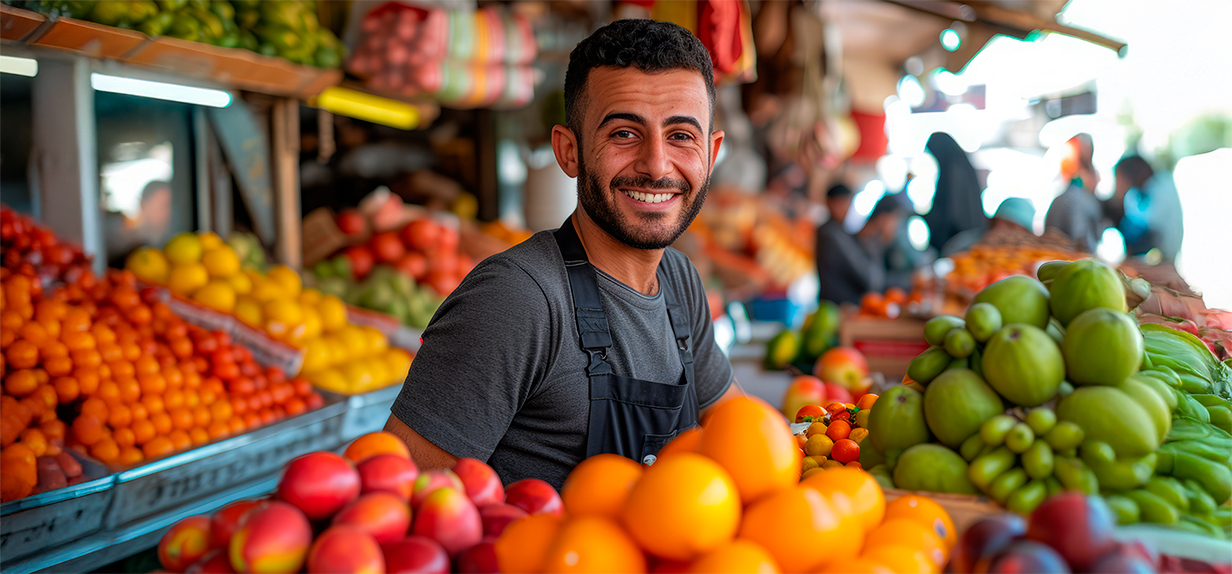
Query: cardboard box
(888, 344)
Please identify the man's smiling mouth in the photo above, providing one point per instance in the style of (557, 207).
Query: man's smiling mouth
(648, 197)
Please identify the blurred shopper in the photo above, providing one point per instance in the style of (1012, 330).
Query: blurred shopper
(956, 205)
(1147, 209)
(1013, 215)
(845, 269)
(902, 259)
(1077, 212)
(151, 225)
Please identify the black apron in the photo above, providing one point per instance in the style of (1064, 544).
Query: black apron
(628, 417)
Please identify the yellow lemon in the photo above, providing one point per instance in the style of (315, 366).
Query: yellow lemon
(312, 322)
(331, 380)
(333, 313)
(149, 265)
(241, 283)
(217, 295)
(377, 341)
(355, 341)
(310, 297)
(357, 375)
(183, 249)
(284, 310)
(316, 357)
(266, 290)
(248, 310)
(380, 373)
(185, 279)
(276, 329)
(221, 261)
(287, 278)
(296, 336)
(210, 240)
(397, 361)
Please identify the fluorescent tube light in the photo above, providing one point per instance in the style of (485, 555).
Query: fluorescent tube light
(367, 107)
(161, 91)
(21, 66)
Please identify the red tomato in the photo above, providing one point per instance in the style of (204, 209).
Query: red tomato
(810, 413)
(414, 265)
(421, 234)
(387, 247)
(361, 259)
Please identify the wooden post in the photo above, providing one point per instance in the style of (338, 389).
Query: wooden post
(284, 125)
(66, 154)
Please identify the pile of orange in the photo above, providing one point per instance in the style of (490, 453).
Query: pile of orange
(984, 265)
(725, 498)
(137, 381)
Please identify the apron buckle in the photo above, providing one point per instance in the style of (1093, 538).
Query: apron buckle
(598, 363)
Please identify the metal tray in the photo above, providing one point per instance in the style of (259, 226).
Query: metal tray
(173, 482)
(36, 523)
(365, 413)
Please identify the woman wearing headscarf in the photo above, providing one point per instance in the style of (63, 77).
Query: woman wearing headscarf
(956, 206)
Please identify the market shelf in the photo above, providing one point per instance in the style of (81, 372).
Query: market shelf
(232, 67)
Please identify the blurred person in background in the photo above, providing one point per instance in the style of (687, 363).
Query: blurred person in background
(150, 226)
(845, 269)
(956, 204)
(1077, 212)
(1147, 209)
(1014, 215)
(902, 259)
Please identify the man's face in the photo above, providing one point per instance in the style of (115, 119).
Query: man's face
(838, 207)
(644, 155)
(1122, 184)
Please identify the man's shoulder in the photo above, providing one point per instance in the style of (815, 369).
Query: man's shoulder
(537, 256)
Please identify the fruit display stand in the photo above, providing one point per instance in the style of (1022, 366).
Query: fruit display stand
(889, 345)
(94, 523)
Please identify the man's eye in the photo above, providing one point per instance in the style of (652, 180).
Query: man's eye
(623, 134)
(681, 137)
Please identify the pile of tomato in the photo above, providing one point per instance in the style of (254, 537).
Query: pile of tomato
(108, 370)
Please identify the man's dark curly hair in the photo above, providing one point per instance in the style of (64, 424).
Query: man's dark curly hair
(647, 45)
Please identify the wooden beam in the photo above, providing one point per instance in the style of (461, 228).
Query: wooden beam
(284, 154)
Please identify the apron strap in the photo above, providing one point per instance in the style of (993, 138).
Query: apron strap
(584, 285)
(680, 326)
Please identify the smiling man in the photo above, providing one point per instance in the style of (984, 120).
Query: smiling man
(595, 337)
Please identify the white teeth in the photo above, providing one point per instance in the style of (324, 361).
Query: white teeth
(648, 197)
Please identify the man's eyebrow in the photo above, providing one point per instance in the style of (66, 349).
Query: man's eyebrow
(683, 120)
(614, 116)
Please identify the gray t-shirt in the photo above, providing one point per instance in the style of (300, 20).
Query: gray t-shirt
(501, 376)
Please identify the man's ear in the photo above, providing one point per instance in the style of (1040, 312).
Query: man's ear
(716, 140)
(564, 145)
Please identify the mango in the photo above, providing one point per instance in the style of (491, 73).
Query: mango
(1024, 364)
(933, 468)
(1102, 347)
(1084, 285)
(937, 328)
(897, 420)
(1109, 415)
(1150, 401)
(957, 403)
(1019, 299)
(983, 320)
(927, 365)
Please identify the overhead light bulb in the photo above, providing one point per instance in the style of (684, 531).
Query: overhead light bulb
(950, 40)
(20, 66)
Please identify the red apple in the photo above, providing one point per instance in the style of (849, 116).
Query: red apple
(479, 559)
(319, 483)
(384, 516)
(216, 562)
(351, 222)
(448, 517)
(496, 517)
(387, 247)
(272, 539)
(482, 484)
(843, 366)
(185, 543)
(534, 496)
(226, 521)
(416, 555)
(808, 390)
(429, 481)
(345, 549)
(1077, 526)
(388, 473)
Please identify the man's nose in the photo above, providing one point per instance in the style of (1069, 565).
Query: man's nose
(653, 160)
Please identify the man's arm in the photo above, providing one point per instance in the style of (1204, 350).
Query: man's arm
(732, 392)
(427, 456)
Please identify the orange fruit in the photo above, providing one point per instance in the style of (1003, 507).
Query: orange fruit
(143, 431)
(855, 566)
(801, 529)
(740, 557)
(373, 443)
(87, 429)
(34, 440)
(140, 413)
(130, 455)
(22, 354)
(198, 436)
(752, 441)
(687, 441)
(901, 559)
(864, 500)
(52, 349)
(21, 383)
(124, 437)
(180, 439)
(845, 450)
(109, 391)
(58, 366)
(523, 545)
(153, 384)
(106, 451)
(157, 446)
(926, 511)
(130, 391)
(682, 507)
(162, 424)
(95, 406)
(838, 430)
(866, 401)
(181, 418)
(593, 544)
(153, 404)
(87, 379)
(121, 416)
(201, 416)
(908, 533)
(33, 332)
(78, 340)
(600, 485)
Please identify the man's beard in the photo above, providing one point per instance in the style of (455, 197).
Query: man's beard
(602, 209)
